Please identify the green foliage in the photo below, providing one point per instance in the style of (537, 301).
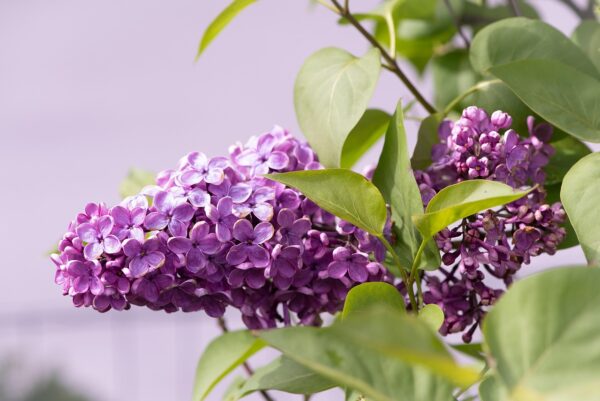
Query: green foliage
(587, 37)
(344, 193)
(461, 200)
(580, 194)
(491, 389)
(222, 356)
(452, 76)
(432, 315)
(426, 138)
(135, 181)
(568, 152)
(474, 350)
(219, 23)
(331, 94)
(543, 337)
(382, 354)
(364, 135)
(395, 179)
(367, 295)
(540, 84)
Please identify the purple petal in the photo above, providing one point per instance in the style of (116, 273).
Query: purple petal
(93, 250)
(120, 216)
(196, 260)
(87, 232)
(199, 197)
(164, 201)
(248, 157)
(209, 244)
(278, 160)
(358, 272)
(138, 215)
(225, 206)
(266, 143)
(178, 228)
(237, 254)
(132, 247)
(198, 160)
(236, 278)
(240, 192)
(242, 210)
(154, 259)
(263, 232)
(96, 286)
(223, 232)
(183, 212)
(81, 284)
(156, 221)
(179, 245)
(285, 218)
(258, 255)
(264, 194)
(243, 230)
(255, 278)
(214, 176)
(337, 269)
(77, 268)
(112, 244)
(516, 156)
(301, 226)
(138, 266)
(199, 231)
(263, 211)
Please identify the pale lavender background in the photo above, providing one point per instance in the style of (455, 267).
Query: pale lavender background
(89, 89)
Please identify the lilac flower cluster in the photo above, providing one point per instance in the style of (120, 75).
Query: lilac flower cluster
(214, 233)
(493, 245)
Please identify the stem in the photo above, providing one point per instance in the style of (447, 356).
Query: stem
(587, 13)
(327, 5)
(391, 61)
(515, 8)
(456, 20)
(403, 275)
(249, 371)
(416, 262)
(471, 90)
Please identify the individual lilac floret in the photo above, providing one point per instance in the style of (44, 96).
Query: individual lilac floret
(254, 244)
(492, 245)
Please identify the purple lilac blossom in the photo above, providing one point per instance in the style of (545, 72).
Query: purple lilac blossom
(213, 233)
(487, 249)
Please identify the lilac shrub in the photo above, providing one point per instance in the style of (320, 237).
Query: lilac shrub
(490, 246)
(215, 233)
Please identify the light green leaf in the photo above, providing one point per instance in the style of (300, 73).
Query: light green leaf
(219, 23)
(426, 138)
(363, 136)
(222, 356)
(367, 295)
(572, 104)
(474, 350)
(517, 39)
(556, 354)
(432, 315)
(491, 389)
(395, 179)
(580, 195)
(461, 200)
(341, 192)
(232, 393)
(587, 37)
(135, 181)
(569, 151)
(382, 354)
(284, 374)
(331, 94)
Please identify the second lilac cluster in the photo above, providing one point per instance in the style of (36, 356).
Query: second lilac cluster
(215, 233)
(487, 249)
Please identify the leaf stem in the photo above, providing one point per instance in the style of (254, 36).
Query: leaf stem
(344, 12)
(477, 87)
(405, 278)
(457, 23)
(249, 371)
(515, 8)
(417, 261)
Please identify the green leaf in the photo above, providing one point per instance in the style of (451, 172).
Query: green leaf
(491, 389)
(382, 354)
(366, 295)
(474, 350)
(363, 136)
(517, 39)
(395, 179)
(452, 76)
(284, 374)
(426, 138)
(569, 151)
(572, 104)
(580, 195)
(331, 94)
(432, 315)
(219, 23)
(461, 200)
(341, 192)
(232, 393)
(222, 356)
(135, 181)
(587, 37)
(556, 353)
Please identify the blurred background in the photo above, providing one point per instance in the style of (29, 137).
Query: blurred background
(89, 89)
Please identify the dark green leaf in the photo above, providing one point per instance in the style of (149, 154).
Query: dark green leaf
(556, 353)
(517, 39)
(568, 152)
(452, 76)
(572, 104)
(331, 94)
(367, 295)
(474, 350)
(135, 181)
(461, 200)
(426, 138)
(363, 136)
(344, 193)
(395, 179)
(219, 23)
(580, 196)
(222, 356)
(587, 37)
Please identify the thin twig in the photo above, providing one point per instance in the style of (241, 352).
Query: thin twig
(515, 8)
(391, 62)
(249, 371)
(587, 13)
(457, 23)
